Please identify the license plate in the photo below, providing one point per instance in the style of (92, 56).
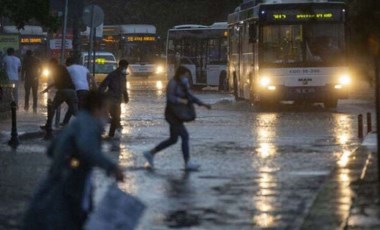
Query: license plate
(305, 90)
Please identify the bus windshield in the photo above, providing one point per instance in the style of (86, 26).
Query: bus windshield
(303, 44)
(141, 52)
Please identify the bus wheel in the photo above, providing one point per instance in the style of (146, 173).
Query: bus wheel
(235, 87)
(223, 81)
(331, 103)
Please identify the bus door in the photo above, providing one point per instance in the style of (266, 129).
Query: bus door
(240, 64)
(201, 78)
(216, 61)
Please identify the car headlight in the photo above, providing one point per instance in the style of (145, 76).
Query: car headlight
(345, 79)
(264, 81)
(45, 73)
(159, 69)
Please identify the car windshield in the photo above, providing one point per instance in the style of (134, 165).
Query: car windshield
(311, 44)
(101, 58)
(103, 68)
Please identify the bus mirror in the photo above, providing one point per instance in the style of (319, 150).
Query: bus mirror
(252, 34)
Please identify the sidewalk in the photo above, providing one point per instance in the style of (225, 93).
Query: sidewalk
(28, 125)
(349, 200)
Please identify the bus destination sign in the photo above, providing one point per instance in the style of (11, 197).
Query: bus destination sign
(298, 16)
(31, 40)
(141, 39)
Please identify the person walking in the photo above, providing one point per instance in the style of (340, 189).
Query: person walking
(64, 199)
(82, 80)
(31, 71)
(12, 65)
(115, 86)
(65, 91)
(178, 94)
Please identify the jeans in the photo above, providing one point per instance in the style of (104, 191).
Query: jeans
(81, 94)
(64, 95)
(176, 130)
(15, 90)
(31, 85)
(115, 112)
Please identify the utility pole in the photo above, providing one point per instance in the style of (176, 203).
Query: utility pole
(63, 48)
(77, 7)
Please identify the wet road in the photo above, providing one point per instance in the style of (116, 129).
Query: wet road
(260, 169)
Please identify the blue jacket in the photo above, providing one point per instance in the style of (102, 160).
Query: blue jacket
(175, 91)
(59, 201)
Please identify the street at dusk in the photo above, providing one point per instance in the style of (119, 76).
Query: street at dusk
(217, 114)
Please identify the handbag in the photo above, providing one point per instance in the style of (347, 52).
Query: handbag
(117, 211)
(184, 113)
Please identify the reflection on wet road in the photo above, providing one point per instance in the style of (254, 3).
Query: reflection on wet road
(260, 170)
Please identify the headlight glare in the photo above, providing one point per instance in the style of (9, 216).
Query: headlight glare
(345, 79)
(159, 69)
(45, 72)
(264, 81)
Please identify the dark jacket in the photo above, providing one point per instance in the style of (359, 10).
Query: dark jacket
(175, 91)
(60, 200)
(31, 69)
(62, 78)
(115, 86)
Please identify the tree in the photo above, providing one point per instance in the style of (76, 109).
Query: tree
(364, 20)
(23, 11)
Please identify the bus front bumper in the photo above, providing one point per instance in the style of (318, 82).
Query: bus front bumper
(313, 94)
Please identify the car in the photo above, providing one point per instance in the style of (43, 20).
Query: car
(105, 63)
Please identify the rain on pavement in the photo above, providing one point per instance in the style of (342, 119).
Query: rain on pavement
(260, 169)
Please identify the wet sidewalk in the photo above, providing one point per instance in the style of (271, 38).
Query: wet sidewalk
(349, 200)
(28, 125)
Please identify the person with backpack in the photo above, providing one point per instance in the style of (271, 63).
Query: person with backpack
(179, 109)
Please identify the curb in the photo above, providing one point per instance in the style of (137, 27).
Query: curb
(332, 205)
(27, 136)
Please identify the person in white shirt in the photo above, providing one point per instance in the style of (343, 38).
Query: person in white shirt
(12, 65)
(82, 80)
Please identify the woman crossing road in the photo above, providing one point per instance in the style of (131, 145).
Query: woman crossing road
(179, 109)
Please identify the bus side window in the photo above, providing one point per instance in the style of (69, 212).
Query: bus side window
(252, 33)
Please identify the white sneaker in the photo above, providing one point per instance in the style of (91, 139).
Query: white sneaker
(192, 167)
(149, 158)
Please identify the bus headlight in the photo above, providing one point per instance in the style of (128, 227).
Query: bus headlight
(45, 73)
(265, 81)
(345, 79)
(159, 69)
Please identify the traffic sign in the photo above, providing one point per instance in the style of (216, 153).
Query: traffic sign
(93, 16)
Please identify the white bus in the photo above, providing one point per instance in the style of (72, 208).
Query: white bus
(138, 43)
(288, 50)
(202, 49)
(31, 38)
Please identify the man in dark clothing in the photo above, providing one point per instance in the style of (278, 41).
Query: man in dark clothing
(64, 200)
(115, 86)
(65, 91)
(31, 71)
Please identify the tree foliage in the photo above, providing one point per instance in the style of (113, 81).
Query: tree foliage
(364, 21)
(21, 12)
